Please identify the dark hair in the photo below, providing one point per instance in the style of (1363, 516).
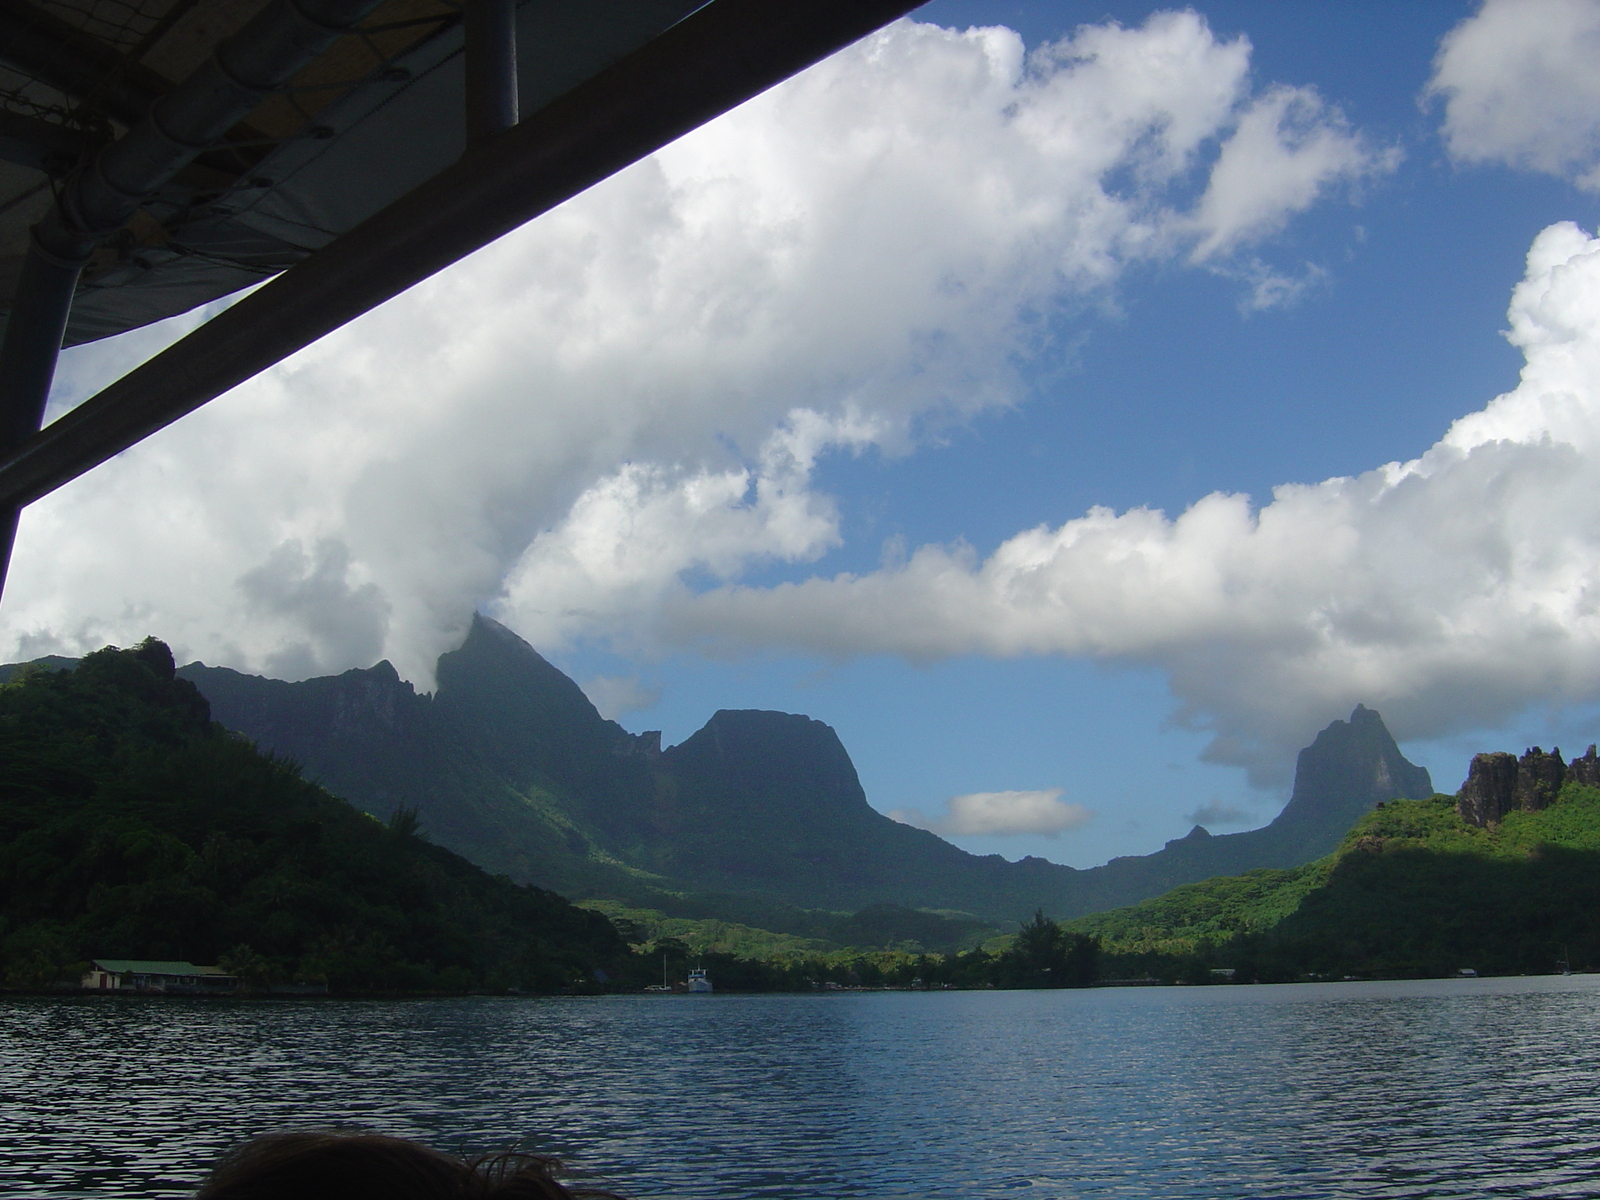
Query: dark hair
(341, 1165)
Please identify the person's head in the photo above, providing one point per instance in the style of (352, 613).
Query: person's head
(338, 1165)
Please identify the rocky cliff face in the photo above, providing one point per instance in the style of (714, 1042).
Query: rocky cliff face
(739, 758)
(1499, 783)
(1350, 767)
(507, 763)
(1585, 770)
(1490, 790)
(510, 765)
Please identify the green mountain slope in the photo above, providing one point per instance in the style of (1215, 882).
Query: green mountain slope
(507, 763)
(131, 826)
(770, 803)
(1414, 889)
(758, 818)
(1350, 767)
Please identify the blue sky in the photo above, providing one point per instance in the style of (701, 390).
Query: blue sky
(1402, 337)
(769, 416)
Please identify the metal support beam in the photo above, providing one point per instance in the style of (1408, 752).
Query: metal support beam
(100, 197)
(38, 319)
(491, 67)
(710, 62)
(44, 298)
(41, 145)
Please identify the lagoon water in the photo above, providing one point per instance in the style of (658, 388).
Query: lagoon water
(1433, 1089)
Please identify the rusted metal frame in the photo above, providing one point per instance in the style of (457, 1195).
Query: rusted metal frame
(712, 61)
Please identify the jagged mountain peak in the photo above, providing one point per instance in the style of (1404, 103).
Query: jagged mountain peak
(738, 731)
(1347, 769)
(755, 751)
(1362, 744)
(496, 672)
(486, 630)
(382, 670)
(488, 641)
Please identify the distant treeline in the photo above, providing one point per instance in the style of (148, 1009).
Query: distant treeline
(1417, 889)
(1042, 955)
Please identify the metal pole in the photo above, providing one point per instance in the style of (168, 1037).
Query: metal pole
(491, 68)
(28, 359)
(33, 339)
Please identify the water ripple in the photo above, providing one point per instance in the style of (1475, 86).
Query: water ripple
(1438, 1089)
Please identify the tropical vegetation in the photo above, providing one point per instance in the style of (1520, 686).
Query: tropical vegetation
(1414, 890)
(133, 827)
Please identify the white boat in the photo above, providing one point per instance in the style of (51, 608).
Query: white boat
(698, 983)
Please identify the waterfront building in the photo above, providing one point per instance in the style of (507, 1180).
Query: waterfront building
(138, 975)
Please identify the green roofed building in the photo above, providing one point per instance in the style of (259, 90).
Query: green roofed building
(137, 975)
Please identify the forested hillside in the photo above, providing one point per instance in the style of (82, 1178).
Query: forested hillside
(132, 826)
(1415, 889)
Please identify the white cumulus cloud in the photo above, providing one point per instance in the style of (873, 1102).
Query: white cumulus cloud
(638, 384)
(1289, 147)
(1214, 813)
(1013, 812)
(1519, 86)
(1449, 591)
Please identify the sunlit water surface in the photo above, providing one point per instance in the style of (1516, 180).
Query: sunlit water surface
(1433, 1089)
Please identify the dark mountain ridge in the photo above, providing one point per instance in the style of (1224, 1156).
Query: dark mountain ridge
(507, 761)
(754, 817)
(132, 825)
